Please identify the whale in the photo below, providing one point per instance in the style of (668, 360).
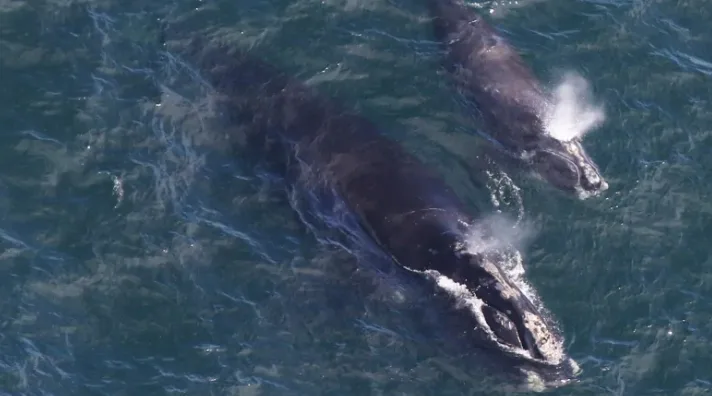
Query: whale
(405, 207)
(489, 73)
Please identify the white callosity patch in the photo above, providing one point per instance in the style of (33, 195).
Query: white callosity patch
(589, 173)
(549, 345)
(572, 113)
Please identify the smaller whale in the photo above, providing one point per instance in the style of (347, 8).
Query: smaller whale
(405, 207)
(490, 74)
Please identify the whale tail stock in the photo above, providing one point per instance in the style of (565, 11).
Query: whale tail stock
(230, 69)
(253, 97)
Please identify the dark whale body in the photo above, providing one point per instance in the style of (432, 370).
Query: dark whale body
(490, 74)
(403, 205)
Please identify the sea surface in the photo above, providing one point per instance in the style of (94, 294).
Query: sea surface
(136, 258)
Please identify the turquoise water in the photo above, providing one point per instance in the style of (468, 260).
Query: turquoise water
(136, 258)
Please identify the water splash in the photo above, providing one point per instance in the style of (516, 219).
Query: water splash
(499, 231)
(572, 113)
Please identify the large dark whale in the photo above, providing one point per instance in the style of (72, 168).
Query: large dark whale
(404, 206)
(490, 73)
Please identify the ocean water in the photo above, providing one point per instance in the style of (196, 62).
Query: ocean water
(137, 258)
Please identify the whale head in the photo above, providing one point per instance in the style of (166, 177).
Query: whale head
(507, 318)
(567, 166)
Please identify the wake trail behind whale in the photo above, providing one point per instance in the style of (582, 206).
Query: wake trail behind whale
(572, 113)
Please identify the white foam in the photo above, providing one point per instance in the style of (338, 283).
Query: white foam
(503, 191)
(572, 112)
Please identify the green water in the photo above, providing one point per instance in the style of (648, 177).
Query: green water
(136, 260)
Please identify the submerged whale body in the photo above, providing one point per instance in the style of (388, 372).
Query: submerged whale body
(489, 73)
(404, 206)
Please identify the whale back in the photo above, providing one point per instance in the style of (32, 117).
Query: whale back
(397, 198)
(488, 71)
